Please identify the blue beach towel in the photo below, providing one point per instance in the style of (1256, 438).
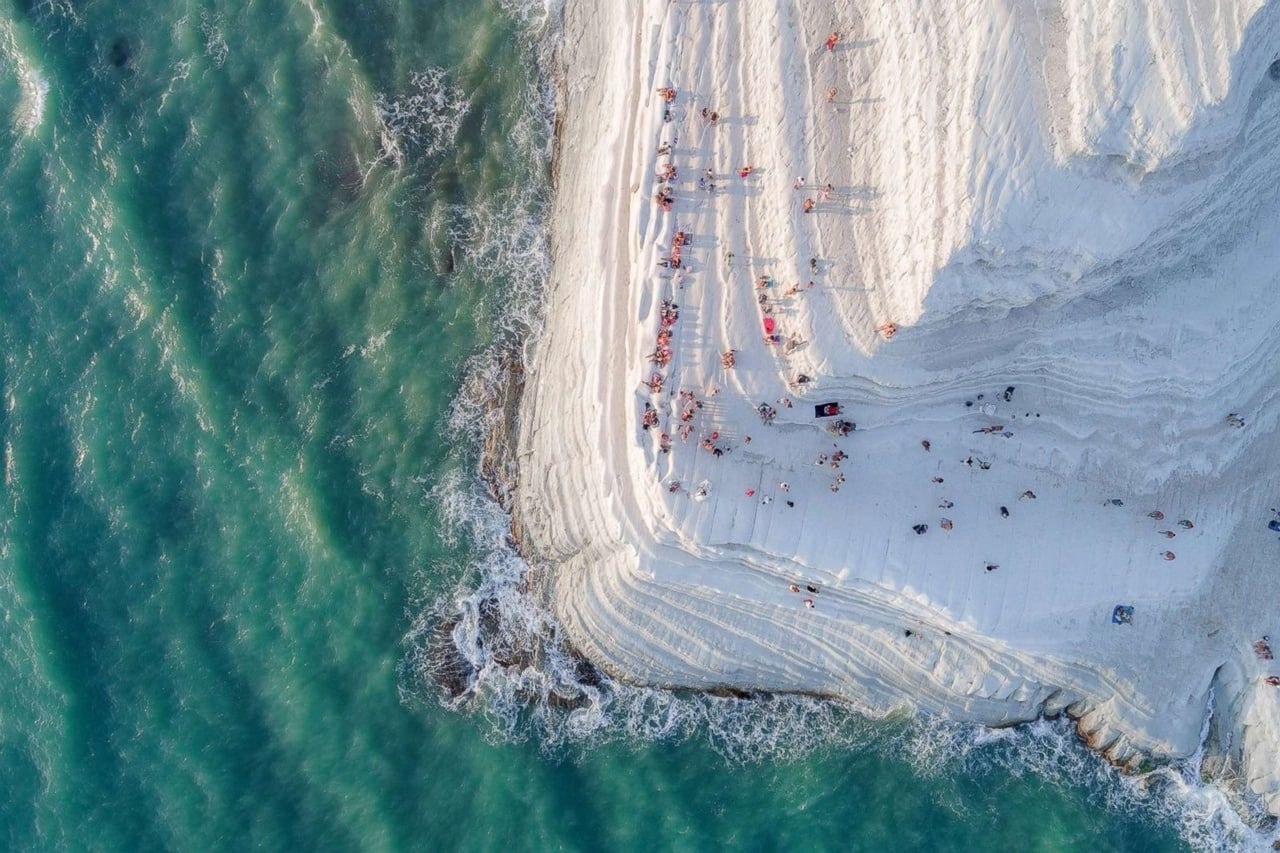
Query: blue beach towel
(1122, 615)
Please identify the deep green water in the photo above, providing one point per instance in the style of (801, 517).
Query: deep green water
(249, 255)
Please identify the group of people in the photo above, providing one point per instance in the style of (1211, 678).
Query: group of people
(669, 311)
(824, 195)
(833, 460)
(690, 407)
(677, 245)
(665, 197)
(972, 461)
(1262, 648)
(661, 355)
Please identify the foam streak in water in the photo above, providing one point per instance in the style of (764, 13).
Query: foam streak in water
(424, 120)
(33, 88)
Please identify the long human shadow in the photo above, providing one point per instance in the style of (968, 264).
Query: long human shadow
(856, 44)
(739, 121)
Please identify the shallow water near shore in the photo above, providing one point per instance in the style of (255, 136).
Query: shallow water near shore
(259, 266)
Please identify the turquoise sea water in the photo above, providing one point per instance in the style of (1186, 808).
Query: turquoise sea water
(258, 261)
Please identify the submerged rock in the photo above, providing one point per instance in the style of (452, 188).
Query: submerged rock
(448, 667)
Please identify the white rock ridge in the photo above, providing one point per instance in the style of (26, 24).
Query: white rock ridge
(1077, 204)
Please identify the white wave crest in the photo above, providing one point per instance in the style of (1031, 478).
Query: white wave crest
(215, 43)
(534, 17)
(424, 120)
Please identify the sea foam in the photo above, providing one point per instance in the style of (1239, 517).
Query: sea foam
(33, 88)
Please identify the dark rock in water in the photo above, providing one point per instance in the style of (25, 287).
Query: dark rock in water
(563, 701)
(573, 696)
(490, 617)
(505, 652)
(586, 673)
(497, 457)
(120, 53)
(732, 693)
(441, 243)
(448, 668)
(1274, 70)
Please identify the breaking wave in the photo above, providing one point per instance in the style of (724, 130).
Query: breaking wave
(492, 648)
(424, 120)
